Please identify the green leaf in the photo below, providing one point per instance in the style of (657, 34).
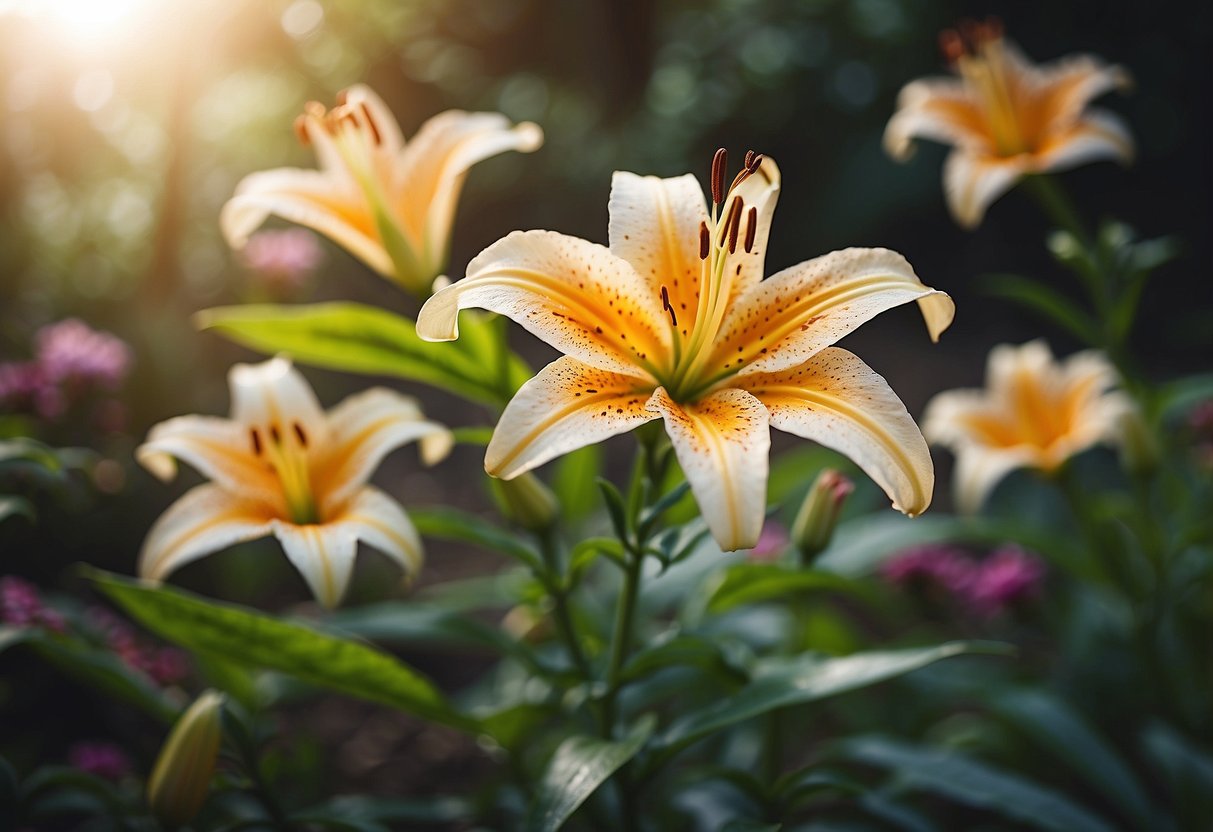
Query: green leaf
(1046, 301)
(580, 765)
(749, 583)
(684, 651)
(453, 524)
(363, 339)
(574, 481)
(264, 641)
(973, 783)
(1062, 731)
(780, 682)
(11, 506)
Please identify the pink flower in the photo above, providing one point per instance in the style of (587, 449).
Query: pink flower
(932, 566)
(1007, 576)
(72, 353)
(21, 606)
(771, 543)
(102, 759)
(283, 259)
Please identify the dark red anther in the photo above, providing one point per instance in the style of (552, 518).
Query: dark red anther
(256, 439)
(299, 434)
(370, 122)
(704, 241)
(720, 164)
(751, 229)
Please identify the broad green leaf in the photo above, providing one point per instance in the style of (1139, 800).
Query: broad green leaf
(264, 641)
(100, 669)
(580, 765)
(574, 481)
(749, 583)
(780, 682)
(505, 589)
(363, 339)
(1046, 301)
(974, 783)
(453, 524)
(684, 651)
(1063, 732)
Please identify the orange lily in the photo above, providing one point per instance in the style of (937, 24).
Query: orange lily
(1034, 412)
(1007, 117)
(388, 203)
(674, 321)
(283, 466)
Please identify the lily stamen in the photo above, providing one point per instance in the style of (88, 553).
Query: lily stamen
(720, 162)
(751, 229)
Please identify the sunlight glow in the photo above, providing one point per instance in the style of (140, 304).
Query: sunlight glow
(84, 20)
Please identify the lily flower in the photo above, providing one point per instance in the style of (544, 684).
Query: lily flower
(1007, 117)
(283, 466)
(673, 321)
(1034, 412)
(390, 204)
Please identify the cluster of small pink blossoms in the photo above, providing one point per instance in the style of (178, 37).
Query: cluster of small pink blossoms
(21, 606)
(987, 587)
(71, 360)
(101, 759)
(282, 260)
(165, 665)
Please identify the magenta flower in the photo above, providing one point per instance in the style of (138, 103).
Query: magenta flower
(1007, 576)
(72, 353)
(102, 759)
(283, 259)
(931, 566)
(21, 606)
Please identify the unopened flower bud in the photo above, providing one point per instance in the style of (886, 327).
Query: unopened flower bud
(186, 764)
(819, 513)
(1139, 451)
(526, 501)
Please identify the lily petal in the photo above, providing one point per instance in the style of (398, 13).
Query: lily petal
(1096, 136)
(835, 399)
(379, 521)
(722, 443)
(206, 519)
(654, 225)
(433, 165)
(1067, 86)
(274, 393)
(323, 554)
(389, 139)
(327, 202)
(363, 429)
(788, 317)
(759, 191)
(566, 406)
(575, 295)
(218, 448)
(972, 182)
(939, 109)
(978, 471)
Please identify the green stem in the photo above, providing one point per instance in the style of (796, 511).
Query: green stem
(1059, 208)
(620, 640)
(560, 600)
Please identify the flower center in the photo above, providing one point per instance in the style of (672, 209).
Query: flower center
(977, 52)
(719, 239)
(286, 455)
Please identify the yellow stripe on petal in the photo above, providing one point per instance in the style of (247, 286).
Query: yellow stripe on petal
(379, 521)
(567, 406)
(794, 314)
(837, 400)
(573, 294)
(722, 443)
(205, 520)
(323, 554)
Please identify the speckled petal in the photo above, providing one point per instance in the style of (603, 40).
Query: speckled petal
(573, 294)
(723, 443)
(794, 314)
(568, 405)
(837, 400)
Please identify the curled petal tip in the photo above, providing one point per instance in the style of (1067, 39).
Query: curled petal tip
(530, 136)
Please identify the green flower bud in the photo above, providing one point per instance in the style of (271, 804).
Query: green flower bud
(526, 501)
(818, 515)
(183, 772)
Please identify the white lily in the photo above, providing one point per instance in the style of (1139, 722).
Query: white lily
(389, 203)
(674, 321)
(283, 466)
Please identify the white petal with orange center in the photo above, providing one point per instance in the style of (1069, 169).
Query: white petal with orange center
(206, 519)
(325, 202)
(939, 109)
(219, 449)
(573, 294)
(433, 164)
(972, 182)
(379, 521)
(1096, 136)
(323, 554)
(723, 443)
(363, 429)
(788, 317)
(566, 406)
(835, 399)
(273, 393)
